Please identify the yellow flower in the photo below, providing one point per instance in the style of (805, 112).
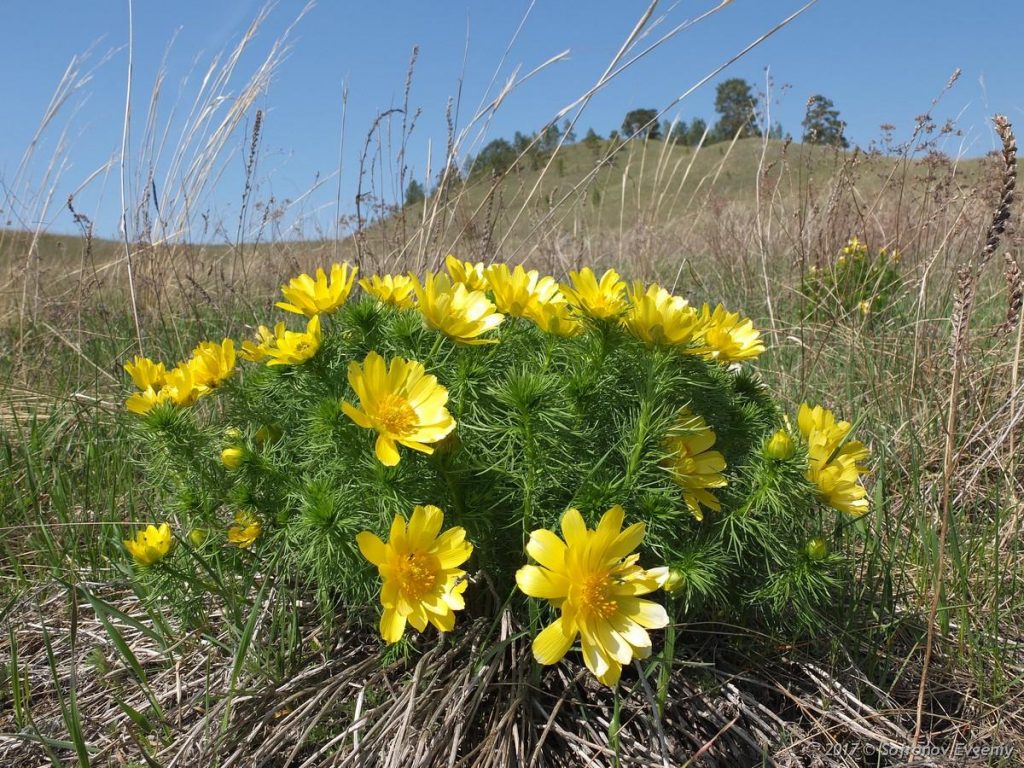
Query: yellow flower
(656, 317)
(284, 347)
(780, 446)
(245, 530)
(556, 317)
(593, 579)
(419, 568)
(727, 336)
(401, 402)
(232, 457)
(694, 466)
(145, 373)
(212, 363)
(179, 388)
(816, 548)
(865, 307)
(520, 293)
(151, 544)
(467, 273)
(833, 462)
(395, 290)
(451, 308)
(603, 300)
(309, 297)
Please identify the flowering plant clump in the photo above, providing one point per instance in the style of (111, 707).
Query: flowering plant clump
(861, 284)
(416, 445)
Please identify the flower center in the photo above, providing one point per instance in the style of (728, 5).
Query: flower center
(596, 597)
(417, 574)
(396, 415)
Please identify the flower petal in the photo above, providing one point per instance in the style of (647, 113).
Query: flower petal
(373, 549)
(392, 626)
(387, 451)
(540, 582)
(552, 643)
(547, 549)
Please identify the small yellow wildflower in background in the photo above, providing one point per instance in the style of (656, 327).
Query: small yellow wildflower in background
(151, 544)
(692, 463)
(865, 307)
(245, 530)
(854, 247)
(593, 579)
(834, 463)
(212, 363)
(603, 300)
(284, 347)
(453, 309)
(466, 272)
(422, 582)
(401, 402)
(396, 290)
(309, 297)
(780, 446)
(658, 318)
(727, 336)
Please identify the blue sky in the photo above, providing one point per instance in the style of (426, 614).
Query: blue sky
(880, 61)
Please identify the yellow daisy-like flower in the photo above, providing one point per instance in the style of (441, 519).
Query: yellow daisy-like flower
(528, 295)
(212, 363)
(834, 462)
(180, 388)
(245, 530)
(453, 309)
(520, 293)
(309, 297)
(284, 347)
(402, 403)
(466, 272)
(865, 307)
(727, 336)
(396, 290)
(151, 544)
(694, 466)
(557, 318)
(593, 579)
(656, 317)
(603, 300)
(420, 571)
(146, 373)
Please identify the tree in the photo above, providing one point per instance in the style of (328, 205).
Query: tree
(414, 193)
(496, 157)
(677, 132)
(822, 124)
(735, 104)
(642, 123)
(592, 141)
(568, 132)
(696, 132)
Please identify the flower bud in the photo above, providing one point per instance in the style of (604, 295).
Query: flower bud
(268, 433)
(232, 457)
(198, 536)
(675, 581)
(780, 446)
(234, 434)
(816, 548)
